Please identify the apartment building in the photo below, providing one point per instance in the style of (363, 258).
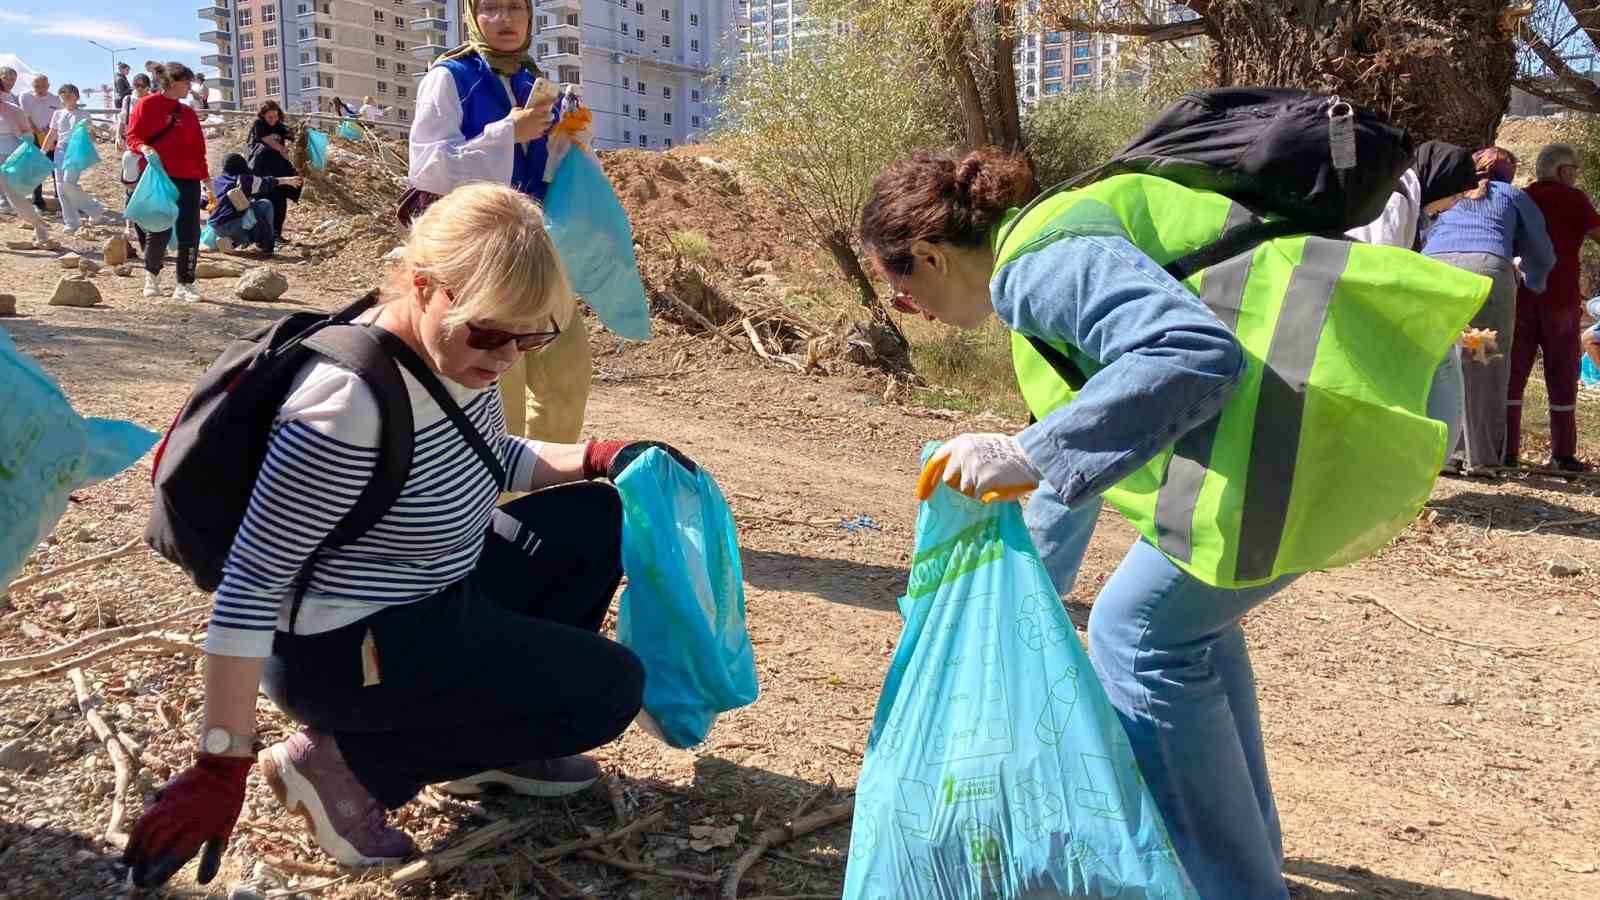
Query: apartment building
(648, 69)
(304, 53)
(770, 28)
(1049, 62)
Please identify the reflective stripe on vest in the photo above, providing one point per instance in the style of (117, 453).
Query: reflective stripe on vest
(1323, 452)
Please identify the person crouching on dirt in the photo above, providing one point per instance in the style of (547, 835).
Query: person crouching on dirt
(1168, 647)
(456, 643)
(238, 228)
(473, 123)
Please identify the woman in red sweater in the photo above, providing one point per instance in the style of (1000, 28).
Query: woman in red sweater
(162, 125)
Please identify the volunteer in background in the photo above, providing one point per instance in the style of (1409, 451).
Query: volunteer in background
(14, 127)
(1552, 321)
(1440, 177)
(121, 87)
(78, 207)
(237, 228)
(41, 106)
(129, 171)
(267, 153)
(456, 642)
(472, 124)
(1483, 233)
(163, 124)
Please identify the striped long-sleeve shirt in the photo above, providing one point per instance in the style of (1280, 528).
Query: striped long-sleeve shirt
(324, 449)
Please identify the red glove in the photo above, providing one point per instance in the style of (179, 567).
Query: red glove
(199, 807)
(607, 459)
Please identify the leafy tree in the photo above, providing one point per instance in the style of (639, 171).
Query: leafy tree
(817, 126)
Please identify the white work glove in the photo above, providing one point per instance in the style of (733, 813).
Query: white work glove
(988, 467)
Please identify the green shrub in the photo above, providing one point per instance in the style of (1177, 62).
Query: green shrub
(691, 245)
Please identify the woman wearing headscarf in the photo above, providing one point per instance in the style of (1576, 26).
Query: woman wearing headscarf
(474, 122)
(1438, 178)
(1483, 233)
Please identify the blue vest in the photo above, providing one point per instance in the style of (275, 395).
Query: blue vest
(483, 101)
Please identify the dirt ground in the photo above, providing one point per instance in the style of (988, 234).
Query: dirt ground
(1432, 715)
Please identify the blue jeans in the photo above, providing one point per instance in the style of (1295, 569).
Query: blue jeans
(1172, 658)
(261, 233)
(1446, 400)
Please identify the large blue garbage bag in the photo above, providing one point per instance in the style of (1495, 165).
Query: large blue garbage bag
(996, 767)
(154, 204)
(1589, 374)
(47, 451)
(27, 167)
(349, 131)
(80, 152)
(683, 609)
(592, 234)
(317, 148)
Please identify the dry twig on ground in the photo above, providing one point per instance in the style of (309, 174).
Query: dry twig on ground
(23, 662)
(166, 640)
(84, 563)
(503, 832)
(782, 834)
(1423, 629)
(121, 762)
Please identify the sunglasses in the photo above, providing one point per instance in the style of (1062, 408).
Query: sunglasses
(493, 338)
(480, 338)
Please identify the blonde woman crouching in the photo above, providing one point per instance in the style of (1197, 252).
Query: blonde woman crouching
(455, 643)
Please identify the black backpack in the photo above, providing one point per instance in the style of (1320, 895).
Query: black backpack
(206, 465)
(1276, 151)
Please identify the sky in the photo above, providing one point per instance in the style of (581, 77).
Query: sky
(52, 37)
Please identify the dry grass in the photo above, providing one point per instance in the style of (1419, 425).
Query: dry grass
(1536, 421)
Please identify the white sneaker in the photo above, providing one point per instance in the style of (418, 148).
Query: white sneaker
(152, 284)
(225, 244)
(186, 293)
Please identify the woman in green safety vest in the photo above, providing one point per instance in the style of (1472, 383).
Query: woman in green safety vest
(1265, 416)
(1167, 646)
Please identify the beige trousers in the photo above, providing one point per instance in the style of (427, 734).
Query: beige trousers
(545, 393)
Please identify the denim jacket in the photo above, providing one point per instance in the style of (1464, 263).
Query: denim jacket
(1166, 364)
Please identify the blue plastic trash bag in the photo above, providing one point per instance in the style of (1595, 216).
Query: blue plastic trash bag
(317, 148)
(683, 610)
(996, 767)
(591, 233)
(208, 237)
(1589, 375)
(349, 131)
(27, 167)
(154, 204)
(47, 451)
(80, 152)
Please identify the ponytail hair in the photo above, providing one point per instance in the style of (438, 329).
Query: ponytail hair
(170, 73)
(941, 200)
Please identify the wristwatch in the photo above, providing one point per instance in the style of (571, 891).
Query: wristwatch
(218, 740)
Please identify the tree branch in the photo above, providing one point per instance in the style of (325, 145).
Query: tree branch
(1532, 86)
(1586, 92)
(1156, 34)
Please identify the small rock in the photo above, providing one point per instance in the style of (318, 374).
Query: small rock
(1558, 610)
(75, 290)
(88, 266)
(262, 285)
(19, 757)
(1452, 697)
(31, 631)
(115, 251)
(51, 598)
(87, 535)
(758, 267)
(19, 245)
(70, 261)
(8, 305)
(1562, 570)
(811, 398)
(268, 876)
(66, 612)
(208, 268)
(123, 271)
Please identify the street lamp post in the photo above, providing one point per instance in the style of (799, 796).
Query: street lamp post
(113, 51)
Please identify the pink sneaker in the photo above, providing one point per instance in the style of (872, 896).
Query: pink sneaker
(308, 775)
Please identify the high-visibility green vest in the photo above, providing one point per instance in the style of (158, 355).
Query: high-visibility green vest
(1323, 452)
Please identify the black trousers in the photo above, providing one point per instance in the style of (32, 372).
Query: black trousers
(504, 667)
(188, 229)
(38, 190)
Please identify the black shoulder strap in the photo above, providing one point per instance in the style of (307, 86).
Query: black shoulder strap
(171, 124)
(407, 357)
(358, 349)
(1064, 366)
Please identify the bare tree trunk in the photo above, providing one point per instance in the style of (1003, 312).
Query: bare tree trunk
(1008, 117)
(849, 262)
(1440, 68)
(953, 53)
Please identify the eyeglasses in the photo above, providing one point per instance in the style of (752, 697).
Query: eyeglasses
(517, 11)
(493, 338)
